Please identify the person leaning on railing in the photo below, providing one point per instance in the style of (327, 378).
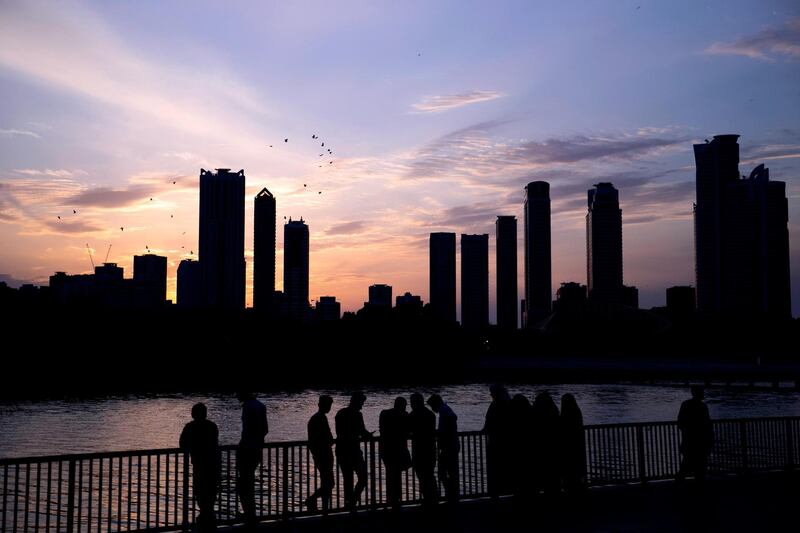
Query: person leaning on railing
(249, 453)
(449, 446)
(320, 444)
(200, 439)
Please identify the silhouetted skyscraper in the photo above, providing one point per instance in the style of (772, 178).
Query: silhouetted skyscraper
(150, 275)
(264, 251)
(189, 284)
(475, 281)
(538, 284)
(295, 268)
(570, 297)
(741, 235)
(506, 235)
(380, 296)
(328, 309)
(443, 275)
(221, 252)
(681, 300)
(604, 245)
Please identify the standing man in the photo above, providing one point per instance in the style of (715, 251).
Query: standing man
(200, 439)
(422, 426)
(350, 431)
(320, 443)
(393, 425)
(447, 438)
(249, 453)
(697, 436)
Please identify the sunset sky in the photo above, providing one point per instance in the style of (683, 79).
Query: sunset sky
(437, 113)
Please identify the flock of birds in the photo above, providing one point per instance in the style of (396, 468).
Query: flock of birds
(326, 152)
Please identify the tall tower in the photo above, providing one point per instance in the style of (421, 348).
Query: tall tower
(741, 235)
(221, 250)
(604, 245)
(295, 268)
(264, 215)
(506, 235)
(538, 277)
(150, 274)
(474, 281)
(442, 257)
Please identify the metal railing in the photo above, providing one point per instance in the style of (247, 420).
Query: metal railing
(151, 489)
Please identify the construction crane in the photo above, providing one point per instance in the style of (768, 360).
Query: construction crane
(89, 251)
(107, 252)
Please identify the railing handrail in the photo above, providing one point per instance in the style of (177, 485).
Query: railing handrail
(373, 438)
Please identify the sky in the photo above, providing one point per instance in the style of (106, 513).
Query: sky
(436, 113)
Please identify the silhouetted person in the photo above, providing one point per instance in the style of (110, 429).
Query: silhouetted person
(572, 446)
(546, 441)
(249, 453)
(422, 426)
(697, 435)
(498, 441)
(393, 425)
(522, 478)
(320, 444)
(350, 431)
(200, 438)
(447, 439)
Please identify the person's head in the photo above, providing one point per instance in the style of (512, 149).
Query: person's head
(400, 403)
(436, 402)
(498, 392)
(325, 403)
(357, 399)
(417, 401)
(244, 396)
(568, 402)
(199, 411)
(697, 392)
(520, 402)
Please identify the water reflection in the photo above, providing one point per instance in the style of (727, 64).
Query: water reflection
(138, 422)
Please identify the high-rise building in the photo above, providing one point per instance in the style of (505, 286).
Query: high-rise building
(380, 296)
(264, 215)
(295, 268)
(570, 297)
(506, 256)
(604, 245)
(538, 284)
(328, 309)
(188, 289)
(443, 276)
(474, 281)
(741, 235)
(681, 300)
(221, 252)
(150, 277)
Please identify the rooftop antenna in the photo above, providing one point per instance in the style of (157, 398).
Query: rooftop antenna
(107, 252)
(89, 251)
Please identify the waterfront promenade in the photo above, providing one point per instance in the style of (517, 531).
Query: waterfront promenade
(761, 502)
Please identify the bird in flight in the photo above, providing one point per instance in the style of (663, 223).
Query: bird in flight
(121, 228)
(74, 212)
(59, 218)
(286, 140)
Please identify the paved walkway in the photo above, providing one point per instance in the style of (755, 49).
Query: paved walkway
(757, 503)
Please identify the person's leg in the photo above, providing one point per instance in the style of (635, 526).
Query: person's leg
(361, 472)
(393, 483)
(327, 485)
(247, 462)
(347, 483)
(453, 478)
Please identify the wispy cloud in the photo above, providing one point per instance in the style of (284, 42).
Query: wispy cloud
(347, 228)
(435, 104)
(50, 173)
(18, 133)
(768, 44)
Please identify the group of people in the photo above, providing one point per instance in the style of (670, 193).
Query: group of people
(531, 447)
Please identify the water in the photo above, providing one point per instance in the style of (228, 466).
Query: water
(142, 422)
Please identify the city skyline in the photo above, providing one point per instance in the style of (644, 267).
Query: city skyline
(446, 152)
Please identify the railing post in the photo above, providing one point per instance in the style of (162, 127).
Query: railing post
(285, 482)
(743, 445)
(372, 478)
(789, 444)
(185, 510)
(71, 497)
(640, 453)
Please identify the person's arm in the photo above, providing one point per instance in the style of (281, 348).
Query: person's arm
(182, 442)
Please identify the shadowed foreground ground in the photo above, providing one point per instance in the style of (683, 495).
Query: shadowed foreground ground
(761, 502)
